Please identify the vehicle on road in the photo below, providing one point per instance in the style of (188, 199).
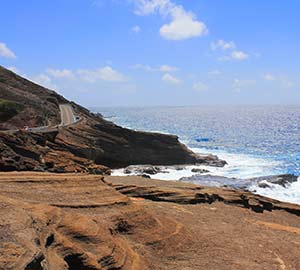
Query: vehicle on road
(25, 128)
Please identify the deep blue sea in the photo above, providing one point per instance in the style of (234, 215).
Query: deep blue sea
(254, 140)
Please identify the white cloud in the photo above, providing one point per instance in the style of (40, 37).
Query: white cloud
(143, 67)
(224, 58)
(221, 44)
(162, 68)
(200, 86)
(60, 73)
(168, 78)
(167, 68)
(228, 45)
(183, 25)
(44, 80)
(269, 77)
(239, 84)
(136, 29)
(104, 74)
(235, 55)
(281, 80)
(286, 84)
(239, 55)
(257, 55)
(215, 72)
(6, 52)
(14, 69)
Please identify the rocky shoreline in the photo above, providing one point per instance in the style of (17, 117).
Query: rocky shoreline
(204, 177)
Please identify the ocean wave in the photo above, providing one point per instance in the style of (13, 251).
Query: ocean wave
(242, 165)
(290, 194)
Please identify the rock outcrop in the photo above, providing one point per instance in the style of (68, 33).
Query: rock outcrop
(144, 169)
(24, 151)
(283, 180)
(243, 184)
(77, 221)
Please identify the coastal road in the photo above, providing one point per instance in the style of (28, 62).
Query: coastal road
(67, 118)
(67, 115)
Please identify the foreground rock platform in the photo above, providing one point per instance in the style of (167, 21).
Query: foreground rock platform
(80, 221)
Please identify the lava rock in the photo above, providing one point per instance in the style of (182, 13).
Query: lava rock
(143, 169)
(283, 180)
(198, 170)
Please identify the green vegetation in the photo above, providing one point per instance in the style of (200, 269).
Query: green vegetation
(9, 109)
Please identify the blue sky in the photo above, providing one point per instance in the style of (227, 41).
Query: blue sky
(156, 52)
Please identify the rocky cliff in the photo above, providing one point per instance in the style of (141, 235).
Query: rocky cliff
(88, 145)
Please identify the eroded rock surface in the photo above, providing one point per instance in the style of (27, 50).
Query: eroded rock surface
(77, 221)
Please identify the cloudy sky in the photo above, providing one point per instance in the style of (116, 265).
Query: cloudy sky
(156, 52)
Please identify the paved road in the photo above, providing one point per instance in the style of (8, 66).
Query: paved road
(67, 115)
(67, 118)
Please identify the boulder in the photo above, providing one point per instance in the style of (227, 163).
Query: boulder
(198, 170)
(143, 169)
(283, 180)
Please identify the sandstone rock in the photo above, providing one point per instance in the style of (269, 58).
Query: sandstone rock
(79, 221)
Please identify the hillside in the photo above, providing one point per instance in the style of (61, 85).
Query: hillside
(37, 106)
(83, 147)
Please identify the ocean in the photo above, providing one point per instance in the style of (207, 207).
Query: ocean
(254, 140)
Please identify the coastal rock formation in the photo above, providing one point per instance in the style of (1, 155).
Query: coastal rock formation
(198, 170)
(144, 169)
(217, 181)
(283, 180)
(24, 151)
(93, 140)
(77, 221)
(243, 184)
(185, 193)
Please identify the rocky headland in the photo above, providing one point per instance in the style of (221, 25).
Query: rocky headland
(91, 145)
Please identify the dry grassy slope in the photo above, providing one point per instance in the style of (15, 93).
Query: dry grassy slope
(81, 222)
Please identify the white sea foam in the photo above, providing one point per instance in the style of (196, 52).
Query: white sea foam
(240, 166)
(291, 193)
